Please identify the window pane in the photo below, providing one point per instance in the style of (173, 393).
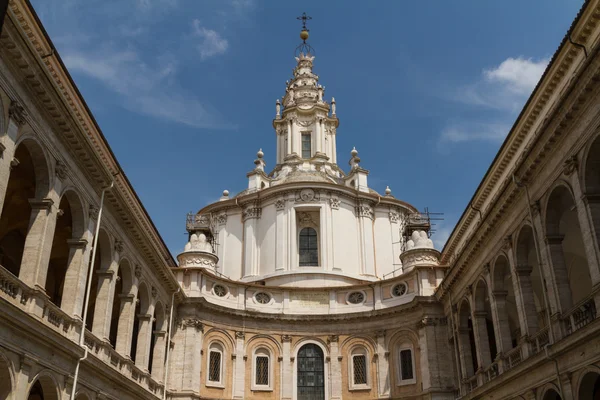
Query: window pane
(214, 368)
(406, 365)
(308, 247)
(306, 150)
(262, 370)
(360, 370)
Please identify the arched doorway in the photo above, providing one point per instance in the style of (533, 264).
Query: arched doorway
(310, 373)
(589, 388)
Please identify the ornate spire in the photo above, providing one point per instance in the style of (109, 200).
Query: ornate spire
(304, 48)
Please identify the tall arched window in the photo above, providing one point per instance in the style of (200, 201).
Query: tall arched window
(214, 377)
(308, 248)
(262, 369)
(406, 365)
(358, 369)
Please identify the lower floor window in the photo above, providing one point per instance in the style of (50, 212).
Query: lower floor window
(214, 367)
(360, 369)
(406, 365)
(262, 370)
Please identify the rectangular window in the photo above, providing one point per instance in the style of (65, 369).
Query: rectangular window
(406, 365)
(360, 369)
(306, 144)
(262, 370)
(214, 367)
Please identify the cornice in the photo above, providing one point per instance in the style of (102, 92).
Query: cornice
(527, 124)
(79, 131)
(276, 191)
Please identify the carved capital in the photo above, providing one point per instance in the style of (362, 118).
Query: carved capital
(17, 113)
(61, 170)
(43, 204)
(154, 292)
(364, 211)
(380, 334)
(251, 212)
(394, 217)
(192, 323)
(240, 335)
(77, 243)
(119, 246)
(222, 219)
(279, 204)
(93, 212)
(286, 338)
(333, 339)
(138, 271)
(571, 164)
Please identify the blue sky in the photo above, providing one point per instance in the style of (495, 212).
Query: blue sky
(185, 91)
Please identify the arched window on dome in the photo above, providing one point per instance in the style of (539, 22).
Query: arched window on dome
(308, 247)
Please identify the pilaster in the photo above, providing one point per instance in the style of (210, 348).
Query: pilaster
(7, 153)
(103, 308)
(125, 328)
(75, 278)
(239, 375)
(287, 371)
(336, 367)
(143, 345)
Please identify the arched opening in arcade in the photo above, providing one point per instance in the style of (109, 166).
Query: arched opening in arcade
(44, 388)
(589, 388)
(483, 325)
(552, 395)
(5, 378)
(28, 181)
(508, 329)
(68, 231)
(527, 272)
(592, 185)
(567, 252)
(466, 340)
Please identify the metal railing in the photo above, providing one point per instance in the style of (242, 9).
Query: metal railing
(580, 315)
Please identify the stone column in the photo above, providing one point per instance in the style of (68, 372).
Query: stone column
(561, 276)
(24, 377)
(383, 366)
(334, 149)
(289, 138)
(367, 247)
(7, 153)
(239, 373)
(318, 136)
(466, 357)
(36, 254)
(158, 356)
(287, 374)
(75, 278)
(193, 336)
(500, 315)
(125, 327)
(524, 297)
(484, 357)
(281, 233)
(144, 338)
(250, 216)
(103, 309)
(336, 368)
(323, 136)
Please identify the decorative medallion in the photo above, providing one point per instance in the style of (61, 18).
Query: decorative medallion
(399, 290)
(307, 195)
(262, 298)
(356, 298)
(220, 290)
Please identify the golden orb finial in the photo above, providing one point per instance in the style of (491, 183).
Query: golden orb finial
(304, 34)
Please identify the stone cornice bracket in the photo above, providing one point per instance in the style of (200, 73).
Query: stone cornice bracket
(119, 246)
(154, 292)
(192, 323)
(43, 204)
(240, 335)
(61, 170)
(570, 165)
(138, 271)
(77, 243)
(508, 242)
(286, 338)
(17, 113)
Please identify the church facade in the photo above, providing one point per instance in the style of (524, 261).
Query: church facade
(308, 284)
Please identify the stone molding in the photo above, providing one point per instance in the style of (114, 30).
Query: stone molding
(419, 257)
(192, 323)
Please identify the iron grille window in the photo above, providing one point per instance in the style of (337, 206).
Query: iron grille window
(360, 369)
(214, 367)
(306, 150)
(406, 366)
(262, 370)
(309, 248)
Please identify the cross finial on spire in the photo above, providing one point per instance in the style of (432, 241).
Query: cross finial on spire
(304, 18)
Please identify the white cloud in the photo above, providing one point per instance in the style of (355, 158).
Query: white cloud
(517, 75)
(468, 130)
(144, 89)
(211, 43)
(502, 90)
